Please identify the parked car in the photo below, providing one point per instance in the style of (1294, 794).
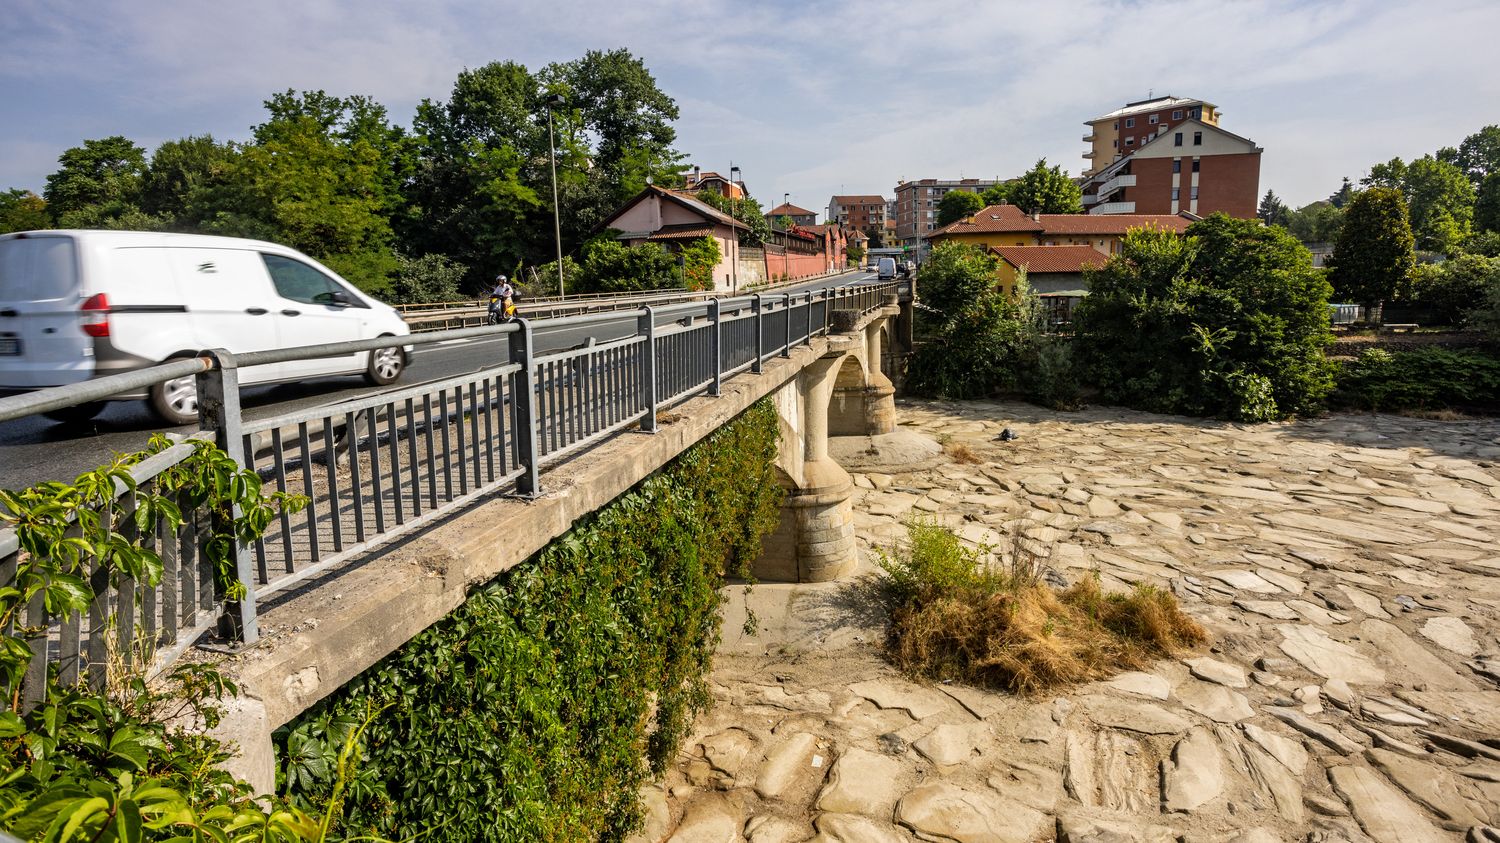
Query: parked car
(887, 268)
(76, 305)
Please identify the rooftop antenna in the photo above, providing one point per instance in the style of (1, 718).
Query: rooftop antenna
(1150, 92)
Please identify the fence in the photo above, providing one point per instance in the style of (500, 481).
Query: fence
(386, 464)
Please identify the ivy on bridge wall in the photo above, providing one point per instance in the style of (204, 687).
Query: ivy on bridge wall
(536, 710)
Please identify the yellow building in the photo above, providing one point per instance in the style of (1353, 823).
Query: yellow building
(1000, 226)
(1124, 130)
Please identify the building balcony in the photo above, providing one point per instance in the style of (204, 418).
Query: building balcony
(1126, 180)
(1090, 199)
(1088, 138)
(1089, 154)
(1113, 208)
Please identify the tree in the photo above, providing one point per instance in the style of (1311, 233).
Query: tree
(975, 334)
(699, 258)
(1442, 204)
(318, 178)
(426, 280)
(1318, 222)
(22, 210)
(784, 222)
(1230, 320)
(955, 205)
(1341, 197)
(746, 209)
(1046, 190)
(97, 181)
(997, 194)
(1487, 204)
(1374, 255)
(1272, 210)
(855, 253)
(1391, 174)
(181, 173)
(877, 237)
(1478, 156)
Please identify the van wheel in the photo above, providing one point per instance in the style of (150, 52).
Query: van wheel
(176, 400)
(76, 414)
(385, 366)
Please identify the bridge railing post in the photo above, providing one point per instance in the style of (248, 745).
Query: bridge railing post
(786, 303)
(646, 327)
(807, 335)
(756, 367)
(523, 400)
(717, 350)
(219, 411)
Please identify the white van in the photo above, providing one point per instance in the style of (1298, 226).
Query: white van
(887, 268)
(76, 305)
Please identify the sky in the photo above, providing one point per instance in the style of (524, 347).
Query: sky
(808, 98)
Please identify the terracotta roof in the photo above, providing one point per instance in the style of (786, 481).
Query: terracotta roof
(686, 231)
(1038, 259)
(991, 219)
(1111, 223)
(1000, 219)
(859, 200)
(790, 210)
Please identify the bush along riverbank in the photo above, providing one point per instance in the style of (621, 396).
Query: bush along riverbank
(536, 710)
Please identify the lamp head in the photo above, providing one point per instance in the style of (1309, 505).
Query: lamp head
(556, 101)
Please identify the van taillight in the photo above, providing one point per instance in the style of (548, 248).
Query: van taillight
(96, 311)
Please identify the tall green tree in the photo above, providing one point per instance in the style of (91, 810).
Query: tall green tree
(997, 194)
(1374, 256)
(22, 210)
(1487, 204)
(1339, 198)
(1478, 156)
(96, 182)
(955, 205)
(317, 177)
(1046, 190)
(1439, 197)
(179, 174)
(1318, 222)
(746, 209)
(1230, 320)
(975, 335)
(1272, 210)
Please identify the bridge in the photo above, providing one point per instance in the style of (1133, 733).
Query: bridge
(419, 492)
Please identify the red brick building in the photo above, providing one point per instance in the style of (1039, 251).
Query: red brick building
(1194, 167)
(857, 213)
(1123, 131)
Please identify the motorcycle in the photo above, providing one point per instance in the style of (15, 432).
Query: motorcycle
(501, 310)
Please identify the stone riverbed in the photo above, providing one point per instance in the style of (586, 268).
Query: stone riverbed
(1347, 569)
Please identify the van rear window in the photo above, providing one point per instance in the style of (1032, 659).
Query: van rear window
(37, 269)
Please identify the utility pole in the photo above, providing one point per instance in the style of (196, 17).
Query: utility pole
(554, 102)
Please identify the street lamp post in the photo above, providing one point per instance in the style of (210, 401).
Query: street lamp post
(555, 102)
(734, 262)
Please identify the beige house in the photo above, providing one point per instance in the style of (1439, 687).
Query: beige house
(672, 220)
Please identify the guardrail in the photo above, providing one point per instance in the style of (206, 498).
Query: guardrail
(383, 465)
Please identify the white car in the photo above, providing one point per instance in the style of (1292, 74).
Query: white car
(76, 305)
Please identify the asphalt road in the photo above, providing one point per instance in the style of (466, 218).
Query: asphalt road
(36, 449)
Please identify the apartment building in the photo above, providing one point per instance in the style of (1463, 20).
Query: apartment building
(1123, 131)
(917, 202)
(799, 216)
(857, 212)
(1195, 167)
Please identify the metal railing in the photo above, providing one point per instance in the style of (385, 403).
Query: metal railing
(383, 465)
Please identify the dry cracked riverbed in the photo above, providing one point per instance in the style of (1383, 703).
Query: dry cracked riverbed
(1347, 569)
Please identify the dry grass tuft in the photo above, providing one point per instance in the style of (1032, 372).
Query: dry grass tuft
(1444, 414)
(961, 453)
(956, 614)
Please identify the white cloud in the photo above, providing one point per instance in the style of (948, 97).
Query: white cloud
(807, 97)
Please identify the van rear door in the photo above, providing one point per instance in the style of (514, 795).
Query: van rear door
(42, 342)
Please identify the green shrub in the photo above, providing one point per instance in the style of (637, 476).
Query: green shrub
(536, 710)
(610, 266)
(1230, 320)
(1423, 379)
(975, 337)
(427, 280)
(1454, 289)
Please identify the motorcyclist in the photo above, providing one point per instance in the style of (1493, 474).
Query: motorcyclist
(505, 293)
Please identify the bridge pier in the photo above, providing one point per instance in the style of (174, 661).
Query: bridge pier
(814, 542)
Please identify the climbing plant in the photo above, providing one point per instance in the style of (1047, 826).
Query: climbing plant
(104, 764)
(536, 710)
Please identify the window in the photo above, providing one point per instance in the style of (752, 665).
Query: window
(1130, 141)
(1177, 139)
(1115, 143)
(1195, 165)
(1130, 122)
(1117, 125)
(297, 281)
(1195, 113)
(1175, 193)
(1176, 114)
(1154, 119)
(1197, 138)
(1176, 165)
